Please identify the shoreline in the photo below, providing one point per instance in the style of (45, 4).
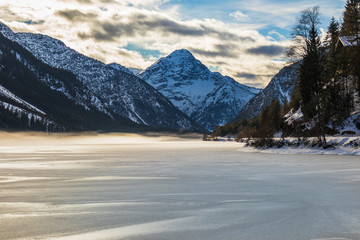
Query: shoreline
(339, 145)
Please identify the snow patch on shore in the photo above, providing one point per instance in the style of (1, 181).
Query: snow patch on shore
(342, 146)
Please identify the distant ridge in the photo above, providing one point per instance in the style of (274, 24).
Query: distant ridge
(279, 88)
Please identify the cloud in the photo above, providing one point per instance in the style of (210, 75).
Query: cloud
(79, 1)
(135, 33)
(251, 75)
(30, 22)
(219, 50)
(239, 16)
(140, 24)
(246, 75)
(75, 15)
(270, 51)
(278, 14)
(276, 36)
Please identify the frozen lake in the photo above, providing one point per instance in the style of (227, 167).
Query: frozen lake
(130, 187)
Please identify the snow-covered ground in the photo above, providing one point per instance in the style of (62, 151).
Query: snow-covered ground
(343, 146)
(348, 126)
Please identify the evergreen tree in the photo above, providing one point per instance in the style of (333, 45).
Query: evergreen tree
(269, 120)
(311, 76)
(351, 22)
(351, 28)
(335, 97)
(311, 72)
(331, 41)
(275, 115)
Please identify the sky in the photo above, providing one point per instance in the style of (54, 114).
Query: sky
(243, 39)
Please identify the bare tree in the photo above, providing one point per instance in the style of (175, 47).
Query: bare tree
(308, 19)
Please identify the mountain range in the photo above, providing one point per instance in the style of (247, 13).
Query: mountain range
(111, 89)
(45, 84)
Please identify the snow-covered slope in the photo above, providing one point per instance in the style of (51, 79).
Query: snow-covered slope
(117, 91)
(9, 95)
(279, 88)
(36, 96)
(207, 97)
(22, 109)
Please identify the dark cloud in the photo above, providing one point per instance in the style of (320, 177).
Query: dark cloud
(76, 15)
(271, 50)
(217, 63)
(250, 75)
(109, 31)
(220, 50)
(246, 75)
(141, 24)
(169, 26)
(124, 53)
(272, 67)
(227, 35)
(31, 22)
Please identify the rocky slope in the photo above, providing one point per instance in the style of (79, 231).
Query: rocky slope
(36, 96)
(279, 88)
(207, 97)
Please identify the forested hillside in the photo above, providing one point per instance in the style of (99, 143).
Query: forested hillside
(325, 100)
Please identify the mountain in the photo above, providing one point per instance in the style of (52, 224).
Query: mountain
(118, 67)
(135, 71)
(117, 90)
(279, 88)
(36, 96)
(207, 97)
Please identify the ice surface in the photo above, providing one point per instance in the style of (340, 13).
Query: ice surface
(152, 188)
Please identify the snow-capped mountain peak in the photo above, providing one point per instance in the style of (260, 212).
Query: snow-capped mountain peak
(180, 55)
(209, 98)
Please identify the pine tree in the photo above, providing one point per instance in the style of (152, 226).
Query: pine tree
(275, 114)
(269, 120)
(312, 80)
(335, 97)
(311, 71)
(331, 41)
(351, 28)
(351, 24)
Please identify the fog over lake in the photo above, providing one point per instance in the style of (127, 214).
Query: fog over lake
(117, 186)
